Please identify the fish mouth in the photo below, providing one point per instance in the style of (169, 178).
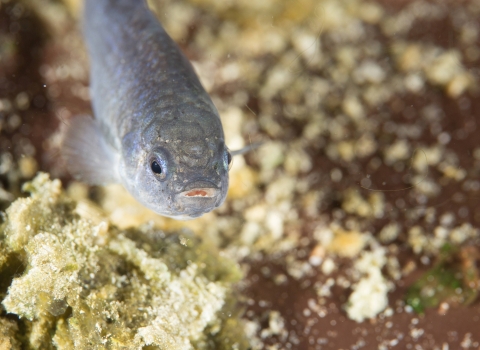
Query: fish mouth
(200, 189)
(200, 192)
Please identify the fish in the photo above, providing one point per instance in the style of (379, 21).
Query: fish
(155, 129)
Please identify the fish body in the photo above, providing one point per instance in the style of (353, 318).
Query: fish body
(156, 130)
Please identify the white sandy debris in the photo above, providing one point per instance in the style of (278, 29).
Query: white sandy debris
(369, 296)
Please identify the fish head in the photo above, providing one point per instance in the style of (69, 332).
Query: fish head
(182, 173)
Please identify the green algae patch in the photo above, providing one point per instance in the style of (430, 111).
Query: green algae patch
(454, 279)
(85, 284)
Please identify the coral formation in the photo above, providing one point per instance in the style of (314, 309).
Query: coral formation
(85, 284)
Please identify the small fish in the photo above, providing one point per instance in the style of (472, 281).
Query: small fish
(156, 131)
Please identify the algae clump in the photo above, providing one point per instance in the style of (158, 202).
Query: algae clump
(75, 281)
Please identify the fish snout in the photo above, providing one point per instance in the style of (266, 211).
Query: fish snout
(194, 149)
(199, 197)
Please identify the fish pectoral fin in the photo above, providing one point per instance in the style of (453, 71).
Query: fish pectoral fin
(87, 154)
(246, 149)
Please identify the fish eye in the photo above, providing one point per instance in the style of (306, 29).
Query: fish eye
(156, 168)
(227, 160)
(159, 168)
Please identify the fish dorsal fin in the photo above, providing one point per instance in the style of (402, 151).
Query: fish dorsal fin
(87, 154)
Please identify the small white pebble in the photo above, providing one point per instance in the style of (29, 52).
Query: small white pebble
(328, 266)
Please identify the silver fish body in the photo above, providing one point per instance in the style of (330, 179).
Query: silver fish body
(156, 130)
